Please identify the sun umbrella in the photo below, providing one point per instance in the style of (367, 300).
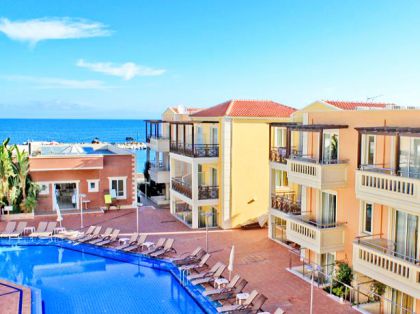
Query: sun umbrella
(231, 261)
(57, 208)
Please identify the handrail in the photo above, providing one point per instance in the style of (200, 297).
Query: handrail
(319, 225)
(312, 159)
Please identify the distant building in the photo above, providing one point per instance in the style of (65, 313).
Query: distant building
(71, 175)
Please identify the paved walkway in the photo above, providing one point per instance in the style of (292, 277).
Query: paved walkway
(13, 297)
(259, 260)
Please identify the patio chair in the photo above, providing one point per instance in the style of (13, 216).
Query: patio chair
(10, 227)
(19, 230)
(109, 202)
(156, 247)
(229, 294)
(111, 239)
(192, 258)
(134, 247)
(42, 226)
(229, 287)
(247, 303)
(210, 279)
(207, 273)
(48, 231)
(131, 241)
(167, 248)
(94, 235)
(200, 265)
(102, 237)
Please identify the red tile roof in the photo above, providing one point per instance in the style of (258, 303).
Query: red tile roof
(353, 105)
(189, 110)
(247, 108)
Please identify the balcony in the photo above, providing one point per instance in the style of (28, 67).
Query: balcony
(195, 150)
(321, 238)
(182, 187)
(383, 186)
(284, 204)
(206, 192)
(376, 258)
(158, 144)
(159, 173)
(319, 175)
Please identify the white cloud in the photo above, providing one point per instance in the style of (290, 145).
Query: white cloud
(57, 83)
(127, 70)
(36, 30)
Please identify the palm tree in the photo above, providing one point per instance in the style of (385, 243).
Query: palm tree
(21, 167)
(6, 172)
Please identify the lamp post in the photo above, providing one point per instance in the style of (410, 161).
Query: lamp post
(312, 270)
(207, 215)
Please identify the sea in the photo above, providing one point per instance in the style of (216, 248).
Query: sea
(75, 131)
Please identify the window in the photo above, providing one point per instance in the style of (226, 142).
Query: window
(44, 188)
(93, 185)
(117, 187)
(370, 150)
(329, 208)
(367, 218)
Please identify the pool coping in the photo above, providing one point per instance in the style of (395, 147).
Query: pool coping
(205, 304)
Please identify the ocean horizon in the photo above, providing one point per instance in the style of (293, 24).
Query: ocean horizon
(75, 131)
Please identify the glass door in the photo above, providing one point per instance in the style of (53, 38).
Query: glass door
(328, 209)
(406, 230)
(213, 136)
(330, 149)
(401, 303)
(369, 150)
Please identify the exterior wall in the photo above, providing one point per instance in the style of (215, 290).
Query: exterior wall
(113, 166)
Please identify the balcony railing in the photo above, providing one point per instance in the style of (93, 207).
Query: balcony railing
(319, 237)
(377, 258)
(182, 187)
(206, 192)
(196, 150)
(159, 165)
(278, 154)
(285, 204)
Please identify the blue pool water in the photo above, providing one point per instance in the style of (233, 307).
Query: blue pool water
(85, 279)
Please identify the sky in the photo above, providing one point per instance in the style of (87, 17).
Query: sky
(133, 59)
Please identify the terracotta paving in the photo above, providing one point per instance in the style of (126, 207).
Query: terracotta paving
(10, 298)
(259, 260)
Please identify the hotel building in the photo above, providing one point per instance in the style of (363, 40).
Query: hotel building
(345, 184)
(72, 175)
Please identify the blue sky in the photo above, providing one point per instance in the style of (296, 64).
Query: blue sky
(132, 59)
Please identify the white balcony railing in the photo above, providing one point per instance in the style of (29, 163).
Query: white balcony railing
(317, 175)
(321, 238)
(387, 189)
(159, 144)
(383, 264)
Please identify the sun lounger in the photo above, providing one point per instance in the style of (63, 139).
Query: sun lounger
(19, 230)
(75, 235)
(42, 226)
(94, 235)
(192, 258)
(17, 233)
(111, 239)
(157, 246)
(207, 273)
(210, 279)
(229, 287)
(247, 303)
(135, 246)
(48, 231)
(131, 241)
(167, 248)
(230, 294)
(254, 307)
(10, 227)
(279, 311)
(102, 237)
(202, 264)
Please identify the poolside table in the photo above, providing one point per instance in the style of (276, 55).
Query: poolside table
(123, 240)
(241, 297)
(148, 244)
(220, 283)
(28, 230)
(59, 230)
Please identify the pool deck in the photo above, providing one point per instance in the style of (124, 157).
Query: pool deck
(258, 259)
(12, 297)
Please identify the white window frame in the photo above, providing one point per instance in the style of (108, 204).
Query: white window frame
(124, 179)
(366, 149)
(363, 229)
(47, 190)
(96, 188)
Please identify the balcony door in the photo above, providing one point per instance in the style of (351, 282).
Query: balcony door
(401, 303)
(279, 137)
(199, 135)
(328, 208)
(406, 232)
(330, 147)
(214, 136)
(369, 150)
(410, 157)
(213, 176)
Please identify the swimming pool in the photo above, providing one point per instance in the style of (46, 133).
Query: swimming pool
(86, 279)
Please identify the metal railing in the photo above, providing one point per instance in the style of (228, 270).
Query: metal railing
(285, 204)
(206, 192)
(182, 187)
(319, 225)
(381, 168)
(385, 246)
(299, 156)
(195, 150)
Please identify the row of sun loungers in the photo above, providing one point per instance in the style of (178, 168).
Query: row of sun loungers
(45, 229)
